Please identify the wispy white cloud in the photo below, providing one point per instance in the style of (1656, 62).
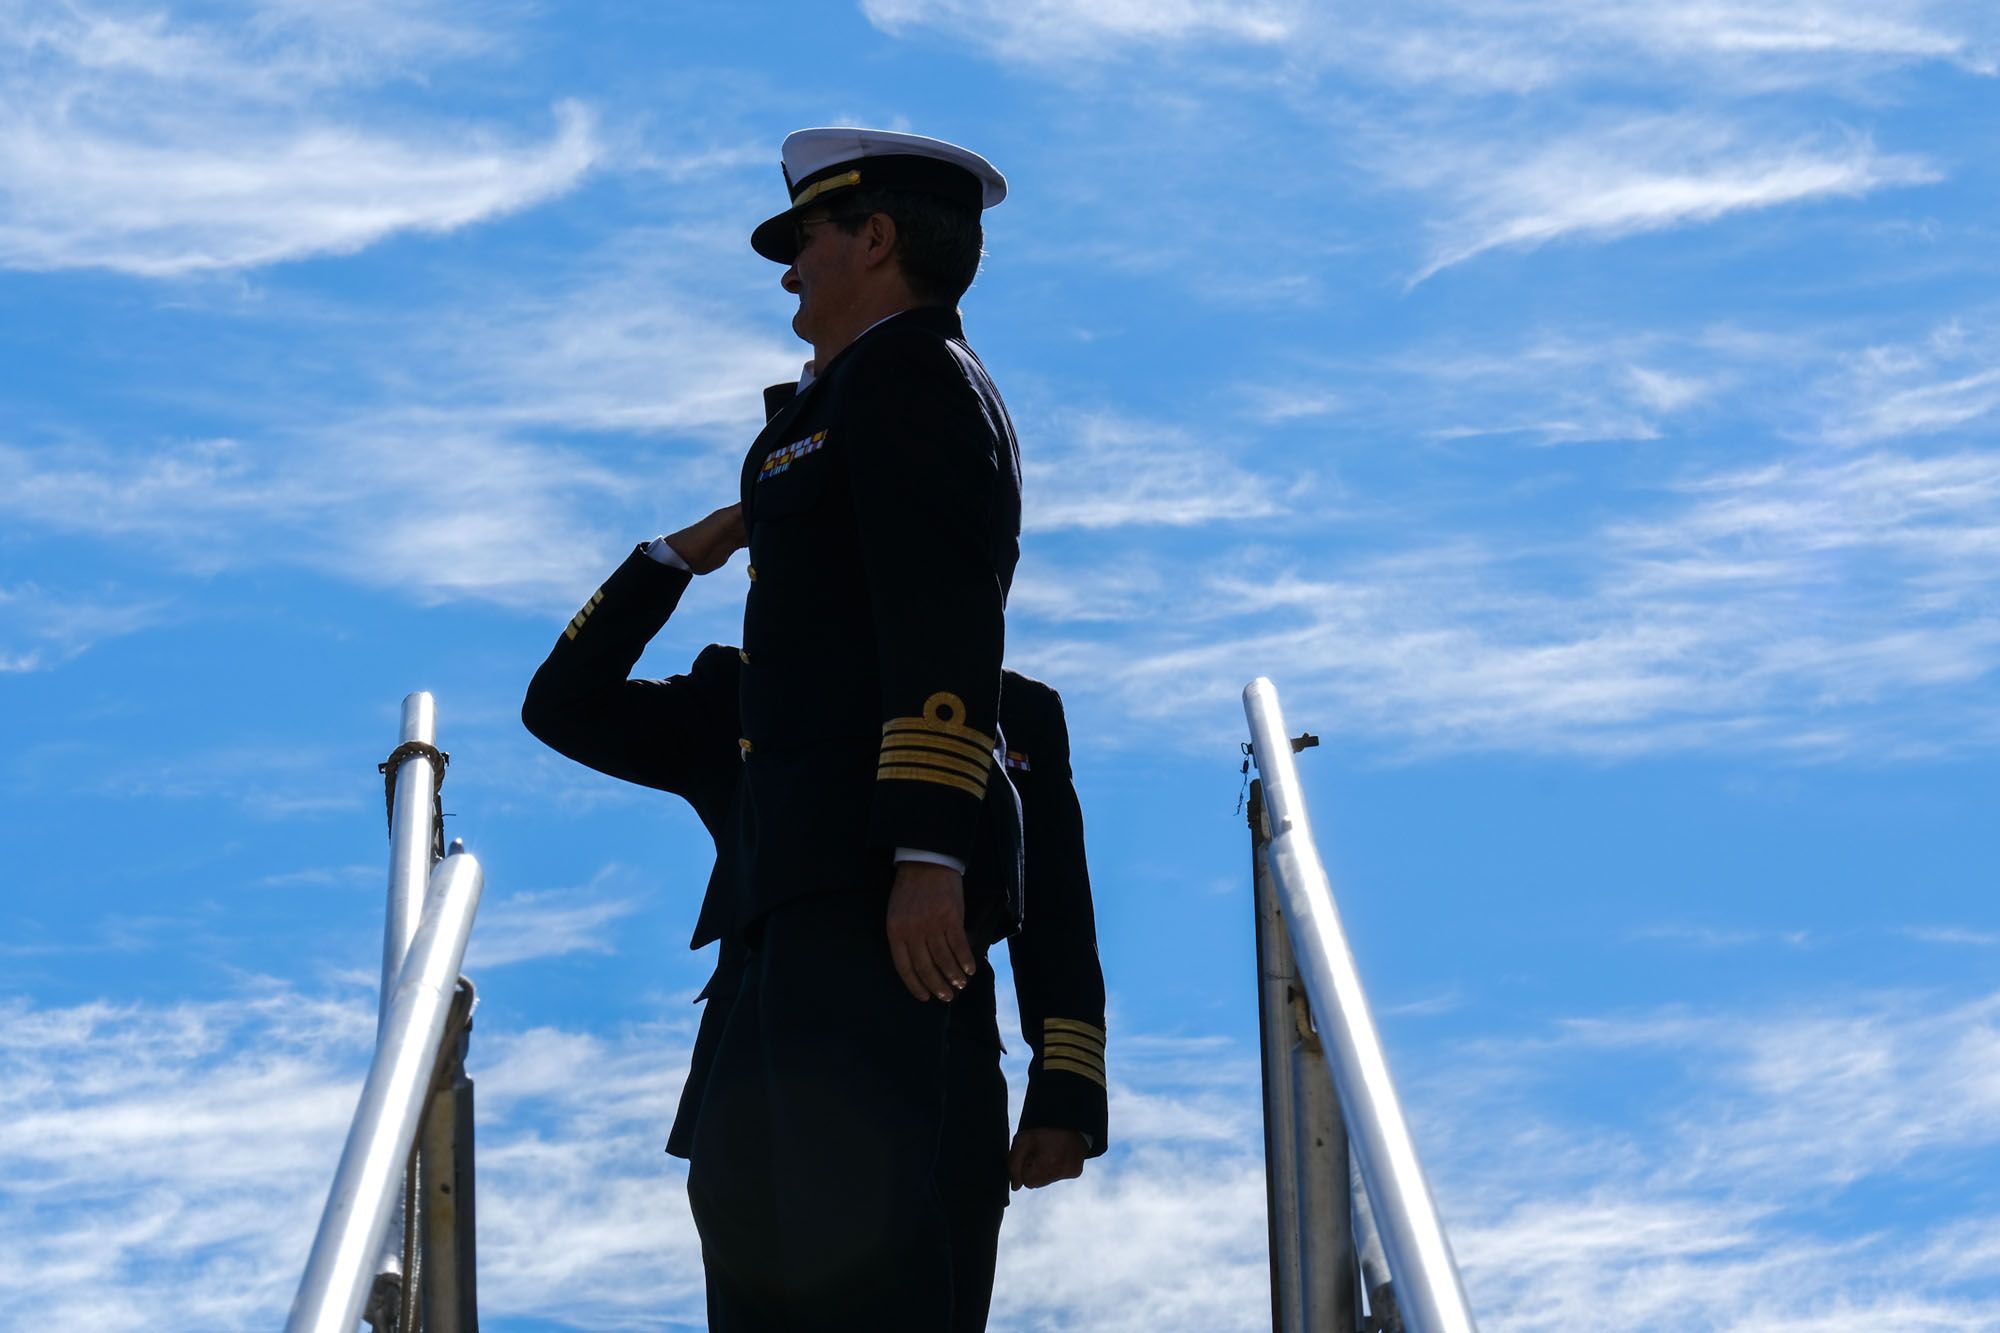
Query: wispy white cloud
(158, 146)
(1463, 45)
(41, 629)
(1720, 937)
(1049, 30)
(1799, 607)
(1955, 935)
(1644, 175)
(1945, 382)
(264, 780)
(434, 469)
(549, 924)
(167, 1165)
(416, 502)
(1114, 472)
(160, 1154)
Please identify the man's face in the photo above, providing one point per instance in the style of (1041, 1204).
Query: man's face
(824, 275)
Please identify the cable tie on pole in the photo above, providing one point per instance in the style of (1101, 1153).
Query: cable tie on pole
(439, 762)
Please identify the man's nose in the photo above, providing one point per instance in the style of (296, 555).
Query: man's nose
(790, 282)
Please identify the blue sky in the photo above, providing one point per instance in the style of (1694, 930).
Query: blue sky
(1582, 409)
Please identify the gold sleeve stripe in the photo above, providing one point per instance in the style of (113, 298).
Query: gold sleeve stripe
(1058, 1051)
(1052, 1027)
(939, 745)
(906, 773)
(944, 744)
(576, 621)
(1075, 1044)
(892, 755)
(1072, 1067)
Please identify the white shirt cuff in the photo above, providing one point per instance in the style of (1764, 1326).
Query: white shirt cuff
(934, 858)
(665, 554)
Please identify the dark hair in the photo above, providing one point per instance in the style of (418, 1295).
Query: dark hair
(937, 242)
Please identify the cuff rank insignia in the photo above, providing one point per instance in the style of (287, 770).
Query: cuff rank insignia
(1075, 1047)
(576, 621)
(937, 747)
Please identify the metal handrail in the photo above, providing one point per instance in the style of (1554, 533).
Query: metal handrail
(413, 781)
(1429, 1293)
(369, 1181)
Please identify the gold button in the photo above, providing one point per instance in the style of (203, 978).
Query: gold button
(745, 746)
(753, 573)
(745, 657)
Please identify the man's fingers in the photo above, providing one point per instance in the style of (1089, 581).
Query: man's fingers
(1043, 1156)
(925, 955)
(905, 968)
(1017, 1163)
(960, 948)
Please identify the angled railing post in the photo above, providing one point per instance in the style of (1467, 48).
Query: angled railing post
(369, 1180)
(1429, 1293)
(414, 770)
(1305, 1144)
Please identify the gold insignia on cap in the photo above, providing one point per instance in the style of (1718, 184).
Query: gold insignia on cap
(818, 188)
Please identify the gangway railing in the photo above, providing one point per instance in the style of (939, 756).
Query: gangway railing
(1328, 1095)
(395, 1241)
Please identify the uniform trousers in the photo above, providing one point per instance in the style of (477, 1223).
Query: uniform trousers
(848, 1163)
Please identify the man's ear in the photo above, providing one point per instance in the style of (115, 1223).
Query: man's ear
(879, 235)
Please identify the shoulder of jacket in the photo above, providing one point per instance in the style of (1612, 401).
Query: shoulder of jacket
(899, 347)
(1031, 709)
(717, 659)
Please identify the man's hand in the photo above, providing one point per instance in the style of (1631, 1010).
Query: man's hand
(1043, 1156)
(927, 929)
(705, 545)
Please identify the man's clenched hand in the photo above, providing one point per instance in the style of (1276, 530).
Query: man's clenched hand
(707, 544)
(927, 929)
(1042, 1156)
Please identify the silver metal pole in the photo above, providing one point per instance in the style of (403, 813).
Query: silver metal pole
(1305, 1145)
(1429, 1291)
(370, 1177)
(412, 820)
(412, 848)
(449, 1304)
(1375, 1280)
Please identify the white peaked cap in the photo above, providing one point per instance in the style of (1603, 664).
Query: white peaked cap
(820, 162)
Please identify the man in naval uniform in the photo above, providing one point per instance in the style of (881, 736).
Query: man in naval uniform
(882, 510)
(679, 735)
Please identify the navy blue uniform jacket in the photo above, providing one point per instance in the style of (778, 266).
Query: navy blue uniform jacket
(680, 735)
(883, 506)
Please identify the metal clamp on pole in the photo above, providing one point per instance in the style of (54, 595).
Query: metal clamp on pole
(1429, 1293)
